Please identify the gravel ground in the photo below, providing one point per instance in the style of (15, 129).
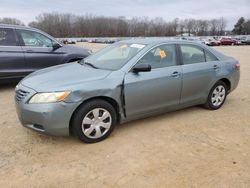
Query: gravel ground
(193, 147)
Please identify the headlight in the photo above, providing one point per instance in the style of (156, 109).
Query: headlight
(17, 86)
(49, 97)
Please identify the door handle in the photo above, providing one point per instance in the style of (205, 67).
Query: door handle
(216, 67)
(175, 74)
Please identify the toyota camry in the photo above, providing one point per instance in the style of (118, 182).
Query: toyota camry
(125, 81)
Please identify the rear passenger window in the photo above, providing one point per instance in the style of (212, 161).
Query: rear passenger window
(192, 54)
(7, 37)
(210, 57)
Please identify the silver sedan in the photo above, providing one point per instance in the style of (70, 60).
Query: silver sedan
(125, 81)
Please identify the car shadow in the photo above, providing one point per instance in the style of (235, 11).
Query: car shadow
(164, 117)
(161, 117)
(8, 86)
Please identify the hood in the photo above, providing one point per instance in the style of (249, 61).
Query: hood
(75, 49)
(62, 77)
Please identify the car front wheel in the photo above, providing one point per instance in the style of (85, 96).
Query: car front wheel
(217, 96)
(94, 121)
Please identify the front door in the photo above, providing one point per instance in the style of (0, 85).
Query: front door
(38, 50)
(157, 90)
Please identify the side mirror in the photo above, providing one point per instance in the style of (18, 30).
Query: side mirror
(142, 68)
(56, 46)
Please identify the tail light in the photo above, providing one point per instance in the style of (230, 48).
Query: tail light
(237, 66)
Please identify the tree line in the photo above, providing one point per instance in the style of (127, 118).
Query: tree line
(99, 26)
(12, 21)
(70, 25)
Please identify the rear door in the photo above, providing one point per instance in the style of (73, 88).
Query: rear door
(12, 62)
(199, 68)
(38, 50)
(157, 90)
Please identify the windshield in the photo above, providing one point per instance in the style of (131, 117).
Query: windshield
(114, 56)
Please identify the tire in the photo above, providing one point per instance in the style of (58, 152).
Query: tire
(217, 96)
(94, 121)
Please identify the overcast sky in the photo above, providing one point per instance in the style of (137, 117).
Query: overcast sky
(27, 10)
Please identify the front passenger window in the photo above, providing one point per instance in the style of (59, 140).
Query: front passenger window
(35, 39)
(161, 56)
(192, 54)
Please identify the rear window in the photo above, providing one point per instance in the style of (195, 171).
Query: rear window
(192, 54)
(7, 37)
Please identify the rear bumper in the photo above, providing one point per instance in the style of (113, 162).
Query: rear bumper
(52, 119)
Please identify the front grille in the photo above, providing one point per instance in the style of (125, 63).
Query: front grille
(21, 94)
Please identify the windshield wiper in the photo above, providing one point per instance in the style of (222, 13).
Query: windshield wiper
(90, 64)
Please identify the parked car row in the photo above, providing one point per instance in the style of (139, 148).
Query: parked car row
(103, 40)
(210, 41)
(68, 41)
(90, 40)
(218, 41)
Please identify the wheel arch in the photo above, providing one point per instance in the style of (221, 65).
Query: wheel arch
(227, 82)
(110, 100)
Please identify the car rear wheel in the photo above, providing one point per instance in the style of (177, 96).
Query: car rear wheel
(217, 96)
(94, 121)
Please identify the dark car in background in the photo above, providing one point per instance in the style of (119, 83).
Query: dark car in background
(24, 50)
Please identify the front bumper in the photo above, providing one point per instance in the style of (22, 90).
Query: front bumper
(51, 118)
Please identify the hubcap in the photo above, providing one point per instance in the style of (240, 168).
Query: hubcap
(96, 123)
(218, 95)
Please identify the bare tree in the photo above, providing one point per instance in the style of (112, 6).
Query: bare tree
(222, 23)
(12, 21)
(214, 25)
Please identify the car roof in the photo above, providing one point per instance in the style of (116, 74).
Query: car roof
(27, 28)
(158, 41)
(17, 27)
(154, 41)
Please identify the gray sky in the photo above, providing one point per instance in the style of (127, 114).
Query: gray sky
(27, 10)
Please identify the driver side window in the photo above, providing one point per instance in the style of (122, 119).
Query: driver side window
(35, 39)
(161, 56)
